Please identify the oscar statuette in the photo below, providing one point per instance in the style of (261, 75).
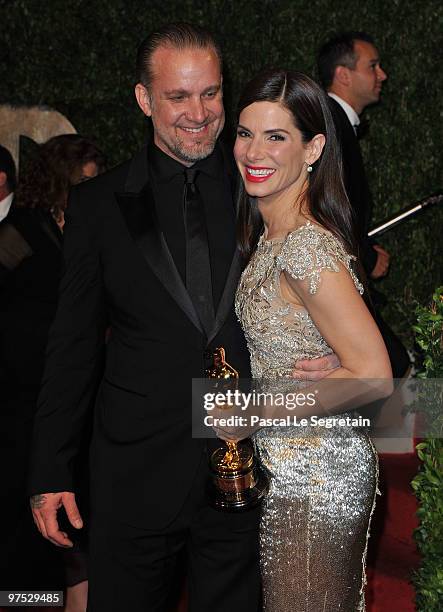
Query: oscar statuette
(238, 482)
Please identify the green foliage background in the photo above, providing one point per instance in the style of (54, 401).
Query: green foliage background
(77, 56)
(428, 484)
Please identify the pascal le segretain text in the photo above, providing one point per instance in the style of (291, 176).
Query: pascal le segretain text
(290, 420)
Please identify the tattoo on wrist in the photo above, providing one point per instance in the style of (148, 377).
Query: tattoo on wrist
(37, 501)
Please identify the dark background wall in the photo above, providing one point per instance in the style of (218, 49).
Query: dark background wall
(77, 57)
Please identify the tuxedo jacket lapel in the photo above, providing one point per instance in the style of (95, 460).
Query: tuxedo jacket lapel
(138, 209)
(227, 298)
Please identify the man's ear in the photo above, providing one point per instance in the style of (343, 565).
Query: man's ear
(3, 179)
(342, 75)
(314, 148)
(143, 99)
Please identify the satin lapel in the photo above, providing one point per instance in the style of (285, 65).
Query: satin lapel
(138, 210)
(227, 298)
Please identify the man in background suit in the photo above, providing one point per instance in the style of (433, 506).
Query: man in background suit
(350, 71)
(7, 181)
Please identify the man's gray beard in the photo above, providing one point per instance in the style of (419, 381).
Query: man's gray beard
(192, 155)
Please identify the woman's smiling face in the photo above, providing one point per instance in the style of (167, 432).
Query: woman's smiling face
(269, 151)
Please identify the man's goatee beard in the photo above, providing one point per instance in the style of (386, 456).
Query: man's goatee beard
(194, 154)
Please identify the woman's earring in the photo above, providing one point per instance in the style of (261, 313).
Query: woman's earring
(309, 168)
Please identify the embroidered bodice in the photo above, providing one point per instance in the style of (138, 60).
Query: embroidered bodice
(279, 333)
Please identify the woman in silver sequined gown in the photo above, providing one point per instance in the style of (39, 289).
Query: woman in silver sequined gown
(300, 298)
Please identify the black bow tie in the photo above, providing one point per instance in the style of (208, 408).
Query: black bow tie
(362, 128)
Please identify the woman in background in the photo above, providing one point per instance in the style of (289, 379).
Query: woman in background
(30, 266)
(299, 298)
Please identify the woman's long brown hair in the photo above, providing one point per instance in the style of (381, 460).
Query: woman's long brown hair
(325, 197)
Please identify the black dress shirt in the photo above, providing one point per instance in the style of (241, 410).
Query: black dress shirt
(167, 176)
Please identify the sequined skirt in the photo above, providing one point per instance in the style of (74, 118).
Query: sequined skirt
(315, 522)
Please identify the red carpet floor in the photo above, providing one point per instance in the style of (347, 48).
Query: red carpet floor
(392, 555)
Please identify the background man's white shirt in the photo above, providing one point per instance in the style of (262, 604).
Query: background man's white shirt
(5, 205)
(354, 119)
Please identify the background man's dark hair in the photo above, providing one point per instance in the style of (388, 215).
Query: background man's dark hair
(338, 51)
(177, 36)
(7, 166)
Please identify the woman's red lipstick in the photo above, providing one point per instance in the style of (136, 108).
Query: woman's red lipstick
(258, 174)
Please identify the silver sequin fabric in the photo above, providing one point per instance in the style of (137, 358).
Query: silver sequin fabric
(323, 482)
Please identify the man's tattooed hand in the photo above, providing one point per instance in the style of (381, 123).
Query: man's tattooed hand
(37, 501)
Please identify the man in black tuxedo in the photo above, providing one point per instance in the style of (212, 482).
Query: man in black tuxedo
(150, 253)
(134, 262)
(349, 69)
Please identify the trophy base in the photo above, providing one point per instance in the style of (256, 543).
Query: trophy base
(238, 499)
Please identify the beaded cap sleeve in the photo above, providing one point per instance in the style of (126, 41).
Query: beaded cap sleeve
(278, 332)
(308, 251)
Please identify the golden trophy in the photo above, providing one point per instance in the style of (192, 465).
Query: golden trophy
(237, 481)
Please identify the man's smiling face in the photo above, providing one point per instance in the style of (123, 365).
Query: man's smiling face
(185, 102)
